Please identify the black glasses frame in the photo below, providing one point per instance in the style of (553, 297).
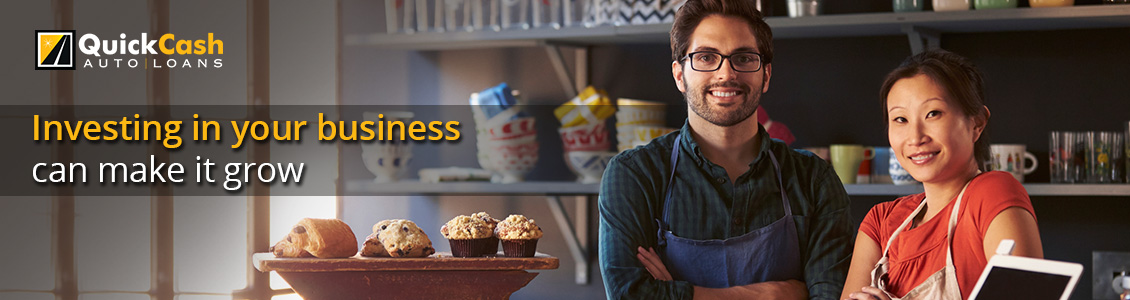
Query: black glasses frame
(760, 63)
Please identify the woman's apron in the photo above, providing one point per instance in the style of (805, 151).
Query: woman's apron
(770, 253)
(943, 283)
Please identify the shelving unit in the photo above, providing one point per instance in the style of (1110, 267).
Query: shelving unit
(564, 188)
(869, 24)
(923, 30)
(547, 188)
(1034, 189)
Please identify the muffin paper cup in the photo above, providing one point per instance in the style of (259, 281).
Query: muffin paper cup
(467, 248)
(490, 246)
(519, 248)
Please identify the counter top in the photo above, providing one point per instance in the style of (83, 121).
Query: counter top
(267, 262)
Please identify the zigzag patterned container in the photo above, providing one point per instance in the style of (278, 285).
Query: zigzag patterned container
(649, 11)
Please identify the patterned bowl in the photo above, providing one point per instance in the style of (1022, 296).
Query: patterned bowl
(386, 166)
(513, 129)
(640, 112)
(585, 138)
(513, 158)
(899, 175)
(588, 165)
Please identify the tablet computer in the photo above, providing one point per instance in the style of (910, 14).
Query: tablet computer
(1015, 277)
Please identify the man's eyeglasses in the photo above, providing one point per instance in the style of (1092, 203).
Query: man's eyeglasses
(706, 61)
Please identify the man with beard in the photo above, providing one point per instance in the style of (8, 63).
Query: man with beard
(718, 209)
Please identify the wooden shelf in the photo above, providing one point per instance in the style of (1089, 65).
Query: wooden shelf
(1048, 189)
(436, 277)
(869, 24)
(266, 262)
(557, 188)
(1034, 189)
(365, 187)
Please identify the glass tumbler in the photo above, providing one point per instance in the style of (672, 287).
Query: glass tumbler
(514, 14)
(1079, 161)
(400, 16)
(1117, 158)
(546, 13)
(1098, 156)
(1059, 155)
(908, 5)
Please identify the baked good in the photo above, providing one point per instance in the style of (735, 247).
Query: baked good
(519, 236)
(490, 247)
(397, 238)
(372, 246)
(466, 235)
(321, 238)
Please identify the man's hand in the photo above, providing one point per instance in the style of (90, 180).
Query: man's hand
(653, 264)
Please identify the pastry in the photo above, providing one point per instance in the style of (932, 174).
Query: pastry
(321, 238)
(397, 238)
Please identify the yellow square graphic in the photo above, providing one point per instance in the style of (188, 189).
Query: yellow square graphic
(46, 43)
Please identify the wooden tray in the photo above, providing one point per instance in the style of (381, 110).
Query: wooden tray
(439, 276)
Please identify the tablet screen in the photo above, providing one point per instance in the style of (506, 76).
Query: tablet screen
(1008, 283)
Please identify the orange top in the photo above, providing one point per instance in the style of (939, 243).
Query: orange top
(920, 252)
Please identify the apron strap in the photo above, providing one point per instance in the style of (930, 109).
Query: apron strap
(904, 223)
(949, 233)
(662, 224)
(781, 184)
(953, 223)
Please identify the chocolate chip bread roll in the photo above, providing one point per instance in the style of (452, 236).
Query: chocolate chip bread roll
(397, 238)
(321, 238)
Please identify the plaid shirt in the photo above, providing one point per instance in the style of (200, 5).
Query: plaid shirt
(706, 205)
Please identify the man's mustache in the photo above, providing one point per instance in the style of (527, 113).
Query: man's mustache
(727, 84)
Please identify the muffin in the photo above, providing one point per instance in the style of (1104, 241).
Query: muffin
(491, 246)
(397, 238)
(519, 236)
(466, 235)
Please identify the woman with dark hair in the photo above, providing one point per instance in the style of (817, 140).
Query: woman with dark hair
(935, 245)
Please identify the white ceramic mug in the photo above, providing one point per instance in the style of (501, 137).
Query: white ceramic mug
(1010, 158)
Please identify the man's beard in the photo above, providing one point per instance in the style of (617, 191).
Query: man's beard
(746, 108)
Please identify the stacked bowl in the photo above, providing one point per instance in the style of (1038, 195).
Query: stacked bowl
(506, 136)
(584, 134)
(388, 158)
(638, 122)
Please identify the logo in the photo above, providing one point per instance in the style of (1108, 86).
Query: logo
(65, 50)
(55, 49)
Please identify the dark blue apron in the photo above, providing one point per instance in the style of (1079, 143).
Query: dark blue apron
(770, 253)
